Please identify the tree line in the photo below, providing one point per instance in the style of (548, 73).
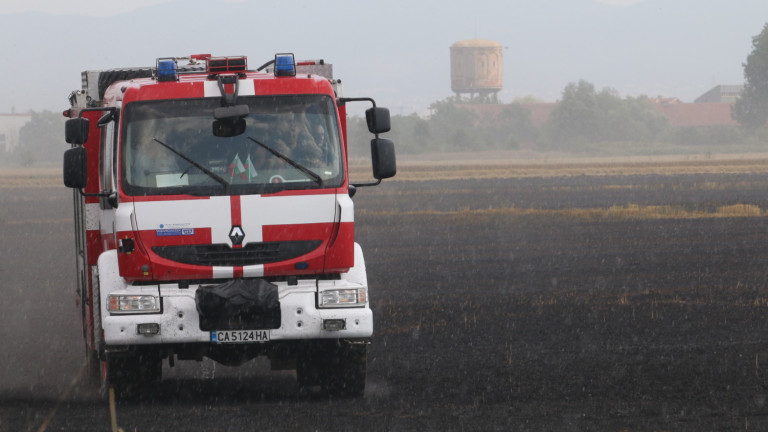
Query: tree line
(585, 120)
(41, 139)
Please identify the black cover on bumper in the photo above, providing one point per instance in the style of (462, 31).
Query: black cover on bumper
(240, 304)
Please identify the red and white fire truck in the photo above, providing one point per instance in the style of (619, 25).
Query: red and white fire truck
(213, 218)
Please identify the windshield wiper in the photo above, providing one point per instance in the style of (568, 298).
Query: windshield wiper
(309, 173)
(205, 170)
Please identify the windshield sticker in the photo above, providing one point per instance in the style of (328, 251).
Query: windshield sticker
(180, 229)
(175, 232)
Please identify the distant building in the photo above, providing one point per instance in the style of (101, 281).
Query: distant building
(678, 113)
(660, 100)
(540, 111)
(697, 114)
(721, 93)
(10, 125)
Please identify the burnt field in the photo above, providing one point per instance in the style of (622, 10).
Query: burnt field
(583, 302)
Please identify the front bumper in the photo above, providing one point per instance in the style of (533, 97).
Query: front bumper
(179, 321)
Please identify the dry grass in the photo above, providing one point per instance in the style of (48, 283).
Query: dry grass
(617, 213)
(700, 186)
(48, 176)
(489, 165)
(505, 165)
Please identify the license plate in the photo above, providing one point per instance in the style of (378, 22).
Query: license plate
(239, 336)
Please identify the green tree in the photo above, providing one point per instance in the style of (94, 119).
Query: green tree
(42, 139)
(452, 127)
(411, 133)
(585, 117)
(513, 125)
(575, 119)
(629, 119)
(26, 157)
(751, 107)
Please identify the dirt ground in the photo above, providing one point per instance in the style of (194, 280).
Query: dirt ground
(500, 304)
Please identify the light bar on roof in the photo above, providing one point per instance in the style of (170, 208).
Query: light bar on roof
(285, 65)
(221, 65)
(167, 70)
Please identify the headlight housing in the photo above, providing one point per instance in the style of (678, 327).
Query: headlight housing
(348, 297)
(133, 304)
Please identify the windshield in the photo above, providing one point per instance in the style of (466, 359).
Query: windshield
(290, 142)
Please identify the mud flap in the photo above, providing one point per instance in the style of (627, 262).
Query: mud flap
(240, 304)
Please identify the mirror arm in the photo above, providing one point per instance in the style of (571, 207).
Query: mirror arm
(111, 110)
(376, 183)
(99, 195)
(108, 117)
(344, 100)
(226, 98)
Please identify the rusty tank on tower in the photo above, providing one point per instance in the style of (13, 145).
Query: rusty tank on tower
(476, 69)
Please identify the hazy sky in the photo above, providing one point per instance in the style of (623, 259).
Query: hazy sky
(395, 51)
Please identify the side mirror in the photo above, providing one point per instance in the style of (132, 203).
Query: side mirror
(383, 156)
(76, 131)
(382, 149)
(75, 168)
(377, 119)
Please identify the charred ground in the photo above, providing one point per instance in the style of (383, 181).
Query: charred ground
(500, 304)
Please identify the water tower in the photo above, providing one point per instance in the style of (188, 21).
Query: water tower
(476, 69)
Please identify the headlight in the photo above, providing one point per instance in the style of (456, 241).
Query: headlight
(342, 298)
(133, 304)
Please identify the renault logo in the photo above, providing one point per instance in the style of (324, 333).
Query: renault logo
(237, 235)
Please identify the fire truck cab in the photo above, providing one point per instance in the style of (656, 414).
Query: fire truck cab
(213, 218)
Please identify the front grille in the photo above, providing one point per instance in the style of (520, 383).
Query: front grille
(222, 255)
